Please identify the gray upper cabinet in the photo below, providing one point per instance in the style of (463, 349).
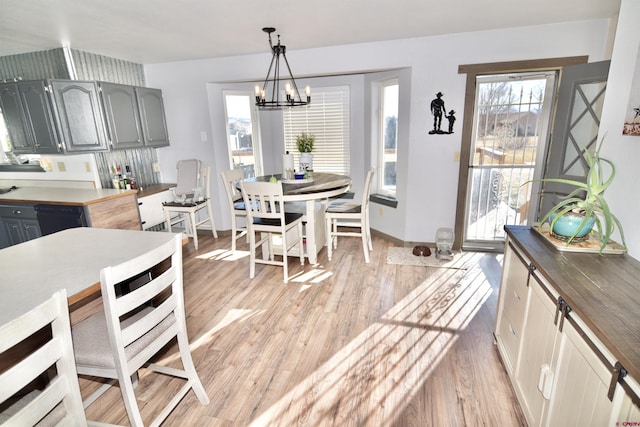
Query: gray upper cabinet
(79, 115)
(152, 116)
(29, 117)
(122, 115)
(135, 116)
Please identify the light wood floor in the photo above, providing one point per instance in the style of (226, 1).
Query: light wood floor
(344, 343)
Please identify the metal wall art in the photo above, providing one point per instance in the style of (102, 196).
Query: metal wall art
(438, 111)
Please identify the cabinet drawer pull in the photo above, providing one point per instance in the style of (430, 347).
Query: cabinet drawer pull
(515, 294)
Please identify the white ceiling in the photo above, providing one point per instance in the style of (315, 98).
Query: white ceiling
(153, 31)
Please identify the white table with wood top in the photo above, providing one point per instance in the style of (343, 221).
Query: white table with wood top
(319, 189)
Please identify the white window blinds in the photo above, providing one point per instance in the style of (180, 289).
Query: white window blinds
(327, 117)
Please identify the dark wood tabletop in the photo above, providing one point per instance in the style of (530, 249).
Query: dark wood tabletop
(322, 183)
(603, 290)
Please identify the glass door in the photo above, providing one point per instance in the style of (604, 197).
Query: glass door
(510, 129)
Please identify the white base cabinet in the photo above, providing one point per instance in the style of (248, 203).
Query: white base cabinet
(561, 373)
(150, 207)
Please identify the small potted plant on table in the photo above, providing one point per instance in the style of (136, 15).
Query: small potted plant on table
(305, 143)
(574, 217)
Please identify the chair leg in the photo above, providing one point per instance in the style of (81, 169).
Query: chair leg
(285, 259)
(365, 245)
(167, 218)
(368, 229)
(328, 230)
(233, 232)
(211, 221)
(130, 403)
(301, 243)
(252, 255)
(194, 231)
(189, 367)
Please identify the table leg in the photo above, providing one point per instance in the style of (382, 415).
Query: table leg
(314, 230)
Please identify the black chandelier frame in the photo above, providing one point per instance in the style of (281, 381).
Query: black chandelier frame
(271, 83)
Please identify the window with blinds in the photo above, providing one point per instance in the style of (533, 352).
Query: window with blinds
(327, 117)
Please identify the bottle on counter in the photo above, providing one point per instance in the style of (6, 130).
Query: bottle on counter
(130, 183)
(115, 177)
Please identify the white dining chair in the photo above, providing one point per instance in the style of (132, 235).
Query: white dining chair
(266, 215)
(117, 342)
(352, 215)
(192, 194)
(231, 180)
(47, 328)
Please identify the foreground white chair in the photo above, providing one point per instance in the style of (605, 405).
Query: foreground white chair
(266, 215)
(134, 326)
(192, 176)
(60, 403)
(353, 215)
(231, 180)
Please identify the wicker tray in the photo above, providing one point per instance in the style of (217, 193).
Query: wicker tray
(591, 245)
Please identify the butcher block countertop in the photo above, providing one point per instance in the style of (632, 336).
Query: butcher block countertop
(63, 196)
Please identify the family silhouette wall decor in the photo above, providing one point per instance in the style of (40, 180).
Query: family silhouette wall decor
(438, 110)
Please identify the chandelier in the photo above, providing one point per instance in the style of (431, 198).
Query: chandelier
(271, 85)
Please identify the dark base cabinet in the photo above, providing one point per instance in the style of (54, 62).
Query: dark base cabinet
(54, 218)
(18, 223)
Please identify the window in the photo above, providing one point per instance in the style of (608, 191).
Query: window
(388, 137)
(242, 133)
(327, 117)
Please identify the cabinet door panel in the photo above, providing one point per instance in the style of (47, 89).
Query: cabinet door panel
(14, 118)
(79, 115)
(13, 231)
(121, 112)
(39, 117)
(154, 126)
(30, 229)
(582, 383)
(538, 341)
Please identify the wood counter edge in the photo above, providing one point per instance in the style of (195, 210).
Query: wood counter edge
(99, 199)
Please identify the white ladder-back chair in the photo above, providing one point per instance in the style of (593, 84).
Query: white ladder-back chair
(232, 179)
(60, 403)
(266, 215)
(192, 194)
(350, 214)
(116, 343)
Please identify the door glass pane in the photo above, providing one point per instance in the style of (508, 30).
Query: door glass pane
(583, 125)
(243, 141)
(511, 117)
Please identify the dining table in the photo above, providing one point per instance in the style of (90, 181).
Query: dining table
(70, 259)
(310, 196)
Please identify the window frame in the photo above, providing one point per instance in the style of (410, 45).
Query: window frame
(382, 189)
(256, 141)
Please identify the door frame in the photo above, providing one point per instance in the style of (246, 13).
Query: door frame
(472, 71)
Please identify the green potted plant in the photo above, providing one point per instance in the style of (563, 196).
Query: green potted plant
(585, 207)
(305, 142)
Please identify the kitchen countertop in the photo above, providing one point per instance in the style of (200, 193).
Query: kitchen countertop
(62, 196)
(149, 190)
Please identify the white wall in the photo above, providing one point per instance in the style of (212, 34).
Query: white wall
(624, 151)
(427, 170)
